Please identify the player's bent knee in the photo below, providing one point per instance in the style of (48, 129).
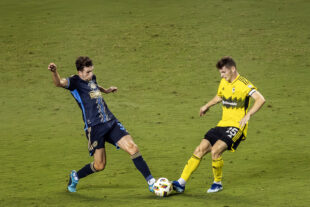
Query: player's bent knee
(200, 151)
(132, 148)
(215, 153)
(99, 166)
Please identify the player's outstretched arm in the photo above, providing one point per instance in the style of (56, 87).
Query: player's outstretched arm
(259, 102)
(211, 103)
(59, 82)
(109, 90)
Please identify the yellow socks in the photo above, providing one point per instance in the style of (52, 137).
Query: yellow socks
(193, 163)
(217, 168)
(190, 167)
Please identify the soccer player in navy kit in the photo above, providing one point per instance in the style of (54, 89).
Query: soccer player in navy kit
(100, 124)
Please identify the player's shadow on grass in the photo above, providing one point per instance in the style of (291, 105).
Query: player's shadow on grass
(149, 195)
(221, 197)
(83, 197)
(91, 192)
(102, 186)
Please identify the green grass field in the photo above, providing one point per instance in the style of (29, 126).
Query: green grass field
(161, 55)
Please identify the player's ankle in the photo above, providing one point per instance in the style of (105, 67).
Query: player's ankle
(182, 182)
(151, 181)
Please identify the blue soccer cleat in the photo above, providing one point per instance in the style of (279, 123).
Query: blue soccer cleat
(178, 187)
(151, 188)
(73, 181)
(215, 188)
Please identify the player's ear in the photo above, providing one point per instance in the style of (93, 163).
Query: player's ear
(233, 69)
(80, 71)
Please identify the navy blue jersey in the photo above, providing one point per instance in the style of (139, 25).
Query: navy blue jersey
(89, 99)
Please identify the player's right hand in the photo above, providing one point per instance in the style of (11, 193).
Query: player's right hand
(203, 110)
(52, 67)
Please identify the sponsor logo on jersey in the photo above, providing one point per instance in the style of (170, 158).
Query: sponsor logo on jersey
(92, 85)
(95, 94)
(233, 102)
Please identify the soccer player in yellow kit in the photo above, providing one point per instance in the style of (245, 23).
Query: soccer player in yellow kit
(234, 92)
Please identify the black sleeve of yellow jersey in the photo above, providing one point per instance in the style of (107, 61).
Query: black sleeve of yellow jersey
(251, 89)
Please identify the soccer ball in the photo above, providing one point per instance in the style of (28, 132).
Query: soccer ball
(162, 187)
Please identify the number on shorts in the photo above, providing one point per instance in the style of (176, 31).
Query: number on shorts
(231, 132)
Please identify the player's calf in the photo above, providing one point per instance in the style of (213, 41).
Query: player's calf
(144, 169)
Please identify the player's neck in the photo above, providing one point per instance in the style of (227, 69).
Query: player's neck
(83, 78)
(233, 77)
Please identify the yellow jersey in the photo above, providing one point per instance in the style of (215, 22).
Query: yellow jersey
(235, 101)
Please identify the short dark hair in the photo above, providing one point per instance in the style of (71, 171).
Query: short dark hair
(83, 61)
(226, 61)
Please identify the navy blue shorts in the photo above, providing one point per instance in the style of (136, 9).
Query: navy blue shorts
(232, 136)
(111, 131)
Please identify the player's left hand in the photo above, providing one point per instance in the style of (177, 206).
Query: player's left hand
(112, 89)
(244, 121)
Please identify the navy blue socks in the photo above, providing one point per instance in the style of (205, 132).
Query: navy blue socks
(86, 170)
(142, 166)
